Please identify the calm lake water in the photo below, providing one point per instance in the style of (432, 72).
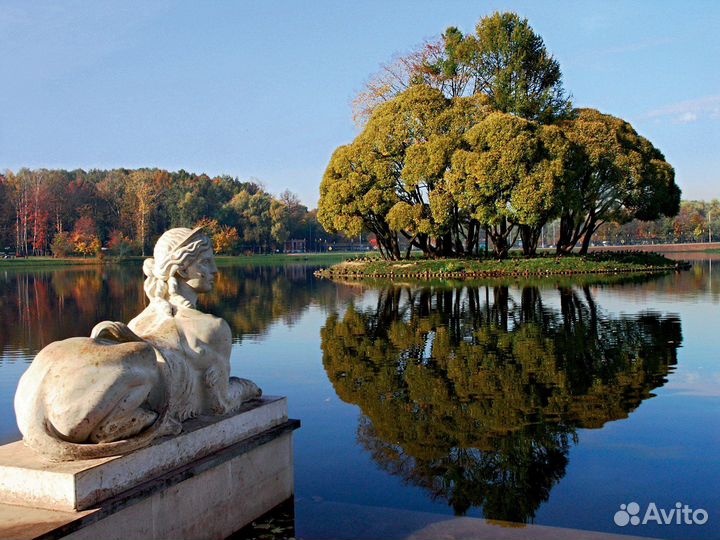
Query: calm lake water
(550, 402)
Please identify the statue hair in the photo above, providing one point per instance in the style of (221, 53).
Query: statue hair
(161, 283)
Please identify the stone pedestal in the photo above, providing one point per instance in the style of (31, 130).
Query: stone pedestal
(208, 482)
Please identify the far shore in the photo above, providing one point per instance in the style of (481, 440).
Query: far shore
(663, 248)
(270, 258)
(327, 256)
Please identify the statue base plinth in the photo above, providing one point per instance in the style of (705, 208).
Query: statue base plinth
(218, 475)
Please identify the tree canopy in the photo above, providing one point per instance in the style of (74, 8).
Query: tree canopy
(475, 133)
(504, 59)
(623, 177)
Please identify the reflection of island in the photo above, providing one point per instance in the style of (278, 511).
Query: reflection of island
(476, 395)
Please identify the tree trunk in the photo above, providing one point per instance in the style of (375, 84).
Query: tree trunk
(530, 236)
(588, 236)
(499, 237)
(565, 242)
(17, 231)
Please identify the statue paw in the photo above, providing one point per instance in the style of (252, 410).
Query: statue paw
(171, 427)
(212, 376)
(244, 389)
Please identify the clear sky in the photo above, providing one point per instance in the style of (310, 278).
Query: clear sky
(263, 88)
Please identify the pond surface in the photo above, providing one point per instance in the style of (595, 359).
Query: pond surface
(550, 402)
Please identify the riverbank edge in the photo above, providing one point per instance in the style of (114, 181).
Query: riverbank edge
(222, 260)
(606, 264)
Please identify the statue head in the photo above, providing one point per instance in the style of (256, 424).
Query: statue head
(181, 257)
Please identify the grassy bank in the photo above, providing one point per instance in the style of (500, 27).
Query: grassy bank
(222, 260)
(594, 263)
(282, 258)
(32, 262)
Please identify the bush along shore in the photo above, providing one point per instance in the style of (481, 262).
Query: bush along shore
(593, 263)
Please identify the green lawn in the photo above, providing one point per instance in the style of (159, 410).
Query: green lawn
(222, 260)
(282, 258)
(20, 262)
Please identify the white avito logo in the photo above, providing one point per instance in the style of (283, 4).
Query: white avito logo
(627, 514)
(681, 514)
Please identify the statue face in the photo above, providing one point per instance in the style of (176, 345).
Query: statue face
(200, 275)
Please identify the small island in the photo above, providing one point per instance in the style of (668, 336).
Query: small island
(626, 262)
(483, 146)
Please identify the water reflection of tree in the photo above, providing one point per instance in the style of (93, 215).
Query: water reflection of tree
(38, 307)
(251, 298)
(476, 395)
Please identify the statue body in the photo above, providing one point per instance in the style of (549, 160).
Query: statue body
(119, 389)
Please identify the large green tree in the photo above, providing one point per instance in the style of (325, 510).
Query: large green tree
(507, 175)
(390, 179)
(504, 59)
(507, 61)
(252, 214)
(434, 172)
(622, 177)
(357, 192)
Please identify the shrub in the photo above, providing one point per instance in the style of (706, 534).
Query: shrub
(62, 245)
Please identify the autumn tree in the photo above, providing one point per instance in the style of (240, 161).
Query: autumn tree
(82, 197)
(120, 244)
(115, 214)
(19, 188)
(84, 237)
(144, 188)
(697, 221)
(6, 214)
(210, 226)
(38, 210)
(226, 240)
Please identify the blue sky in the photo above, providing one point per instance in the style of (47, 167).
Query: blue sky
(263, 89)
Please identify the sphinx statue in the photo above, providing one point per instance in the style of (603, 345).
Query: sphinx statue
(127, 384)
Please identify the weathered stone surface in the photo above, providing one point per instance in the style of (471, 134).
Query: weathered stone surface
(29, 480)
(208, 498)
(116, 391)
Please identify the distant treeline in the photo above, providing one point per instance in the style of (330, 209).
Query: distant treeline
(697, 221)
(62, 212)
